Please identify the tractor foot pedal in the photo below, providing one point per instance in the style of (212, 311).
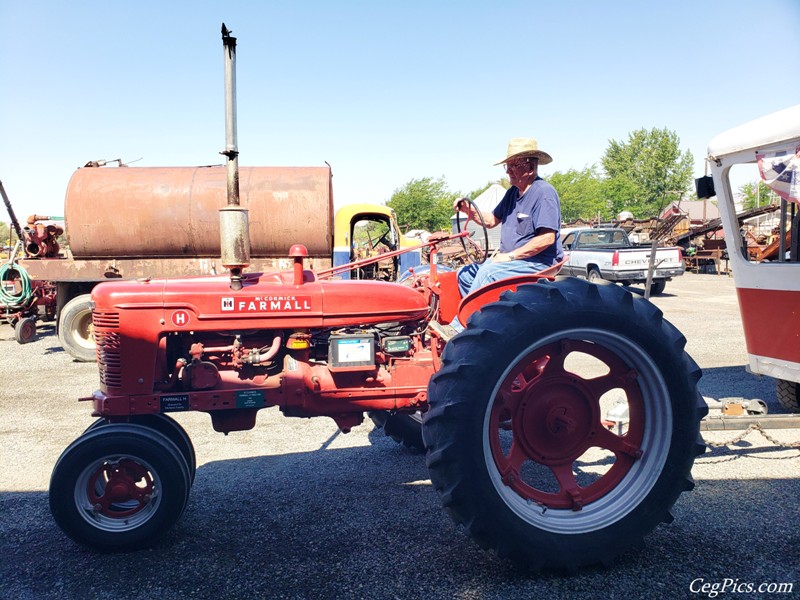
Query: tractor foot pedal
(444, 332)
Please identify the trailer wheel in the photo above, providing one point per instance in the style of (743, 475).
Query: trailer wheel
(119, 487)
(25, 330)
(403, 428)
(788, 393)
(167, 426)
(517, 446)
(75, 329)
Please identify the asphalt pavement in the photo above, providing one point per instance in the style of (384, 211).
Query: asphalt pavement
(295, 509)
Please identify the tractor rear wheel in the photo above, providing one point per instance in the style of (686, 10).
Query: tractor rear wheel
(119, 487)
(788, 393)
(516, 442)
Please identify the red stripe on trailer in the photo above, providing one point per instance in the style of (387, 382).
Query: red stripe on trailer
(771, 320)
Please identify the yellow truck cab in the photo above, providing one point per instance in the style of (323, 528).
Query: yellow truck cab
(366, 230)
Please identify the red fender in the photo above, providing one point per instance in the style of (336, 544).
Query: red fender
(491, 292)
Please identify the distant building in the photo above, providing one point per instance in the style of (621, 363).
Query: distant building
(695, 213)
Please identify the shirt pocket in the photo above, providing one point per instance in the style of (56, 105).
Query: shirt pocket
(524, 224)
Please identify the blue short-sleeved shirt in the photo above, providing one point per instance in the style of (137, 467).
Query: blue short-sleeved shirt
(522, 216)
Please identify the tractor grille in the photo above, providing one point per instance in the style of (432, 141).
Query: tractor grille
(107, 341)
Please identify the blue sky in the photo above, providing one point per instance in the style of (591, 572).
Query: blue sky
(384, 91)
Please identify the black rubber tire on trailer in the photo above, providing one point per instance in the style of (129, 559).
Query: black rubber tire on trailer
(594, 276)
(788, 393)
(504, 380)
(169, 427)
(403, 428)
(119, 487)
(75, 329)
(657, 287)
(25, 330)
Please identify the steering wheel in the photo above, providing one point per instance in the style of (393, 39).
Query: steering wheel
(383, 239)
(482, 253)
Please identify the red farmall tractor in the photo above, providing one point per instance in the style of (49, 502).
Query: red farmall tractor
(512, 409)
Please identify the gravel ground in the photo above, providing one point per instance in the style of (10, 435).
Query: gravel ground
(294, 509)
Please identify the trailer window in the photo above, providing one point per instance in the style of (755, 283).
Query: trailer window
(768, 224)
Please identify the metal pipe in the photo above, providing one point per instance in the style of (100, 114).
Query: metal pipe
(231, 143)
(11, 214)
(234, 230)
(740, 423)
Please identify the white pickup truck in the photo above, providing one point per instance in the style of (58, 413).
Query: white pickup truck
(607, 253)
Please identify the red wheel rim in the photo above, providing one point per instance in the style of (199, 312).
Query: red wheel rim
(120, 489)
(553, 417)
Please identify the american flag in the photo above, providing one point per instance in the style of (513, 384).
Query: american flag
(781, 172)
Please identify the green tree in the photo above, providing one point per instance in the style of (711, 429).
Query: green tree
(582, 194)
(424, 203)
(647, 171)
(4, 237)
(755, 194)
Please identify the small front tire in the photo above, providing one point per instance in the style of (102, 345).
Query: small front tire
(167, 426)
(119, 487)
(403, 428)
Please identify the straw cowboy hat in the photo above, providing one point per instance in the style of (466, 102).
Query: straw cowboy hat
(524, 148)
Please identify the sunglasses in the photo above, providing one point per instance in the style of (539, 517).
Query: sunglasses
(517, 164)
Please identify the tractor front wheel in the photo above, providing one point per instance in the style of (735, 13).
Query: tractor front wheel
(168, 426)
(119, 487)
(518, 447)
(403, 428)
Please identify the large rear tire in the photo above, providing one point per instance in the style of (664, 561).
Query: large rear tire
(517, 447)
(75, 329)
(119, 487)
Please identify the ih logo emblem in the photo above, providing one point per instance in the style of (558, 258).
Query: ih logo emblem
(227, 304)
(180, 318)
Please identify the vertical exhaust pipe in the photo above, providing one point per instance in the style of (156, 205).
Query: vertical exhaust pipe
(233, 221)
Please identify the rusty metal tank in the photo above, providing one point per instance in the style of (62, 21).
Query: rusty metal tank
(174, 211)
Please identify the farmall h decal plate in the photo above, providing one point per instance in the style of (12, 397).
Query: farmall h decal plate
(265, 304)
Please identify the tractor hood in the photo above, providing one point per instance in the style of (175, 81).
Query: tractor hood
(266, 301)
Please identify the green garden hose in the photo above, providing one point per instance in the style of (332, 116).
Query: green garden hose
(11, 298)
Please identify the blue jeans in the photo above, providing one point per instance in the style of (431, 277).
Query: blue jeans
(472, 277)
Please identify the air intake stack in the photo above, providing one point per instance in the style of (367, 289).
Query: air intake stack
(233, 222)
